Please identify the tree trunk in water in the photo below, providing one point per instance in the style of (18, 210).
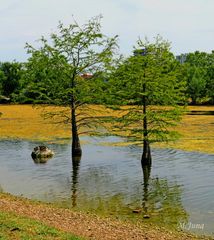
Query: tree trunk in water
(146, 156)
(146, 159)
(76, 148)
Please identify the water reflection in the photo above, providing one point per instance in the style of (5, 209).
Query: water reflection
(75, 174)
(146, 176)
(151, 198)
(204, 113)
(40, 160)
(162, 201)
(110, 180)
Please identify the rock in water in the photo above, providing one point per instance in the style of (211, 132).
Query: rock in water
(41, 154)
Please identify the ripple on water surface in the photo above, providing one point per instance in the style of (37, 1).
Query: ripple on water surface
(111, 178)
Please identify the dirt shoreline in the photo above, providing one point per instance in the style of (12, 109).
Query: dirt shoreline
(87, 225)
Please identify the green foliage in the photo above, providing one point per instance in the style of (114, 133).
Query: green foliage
(210, 78)
(200, 76)
(196, 78)
(151, 77)
(157, 69)
(44, 80)
(54, 70)
(2, 79)
(10, 75)
(69, 70)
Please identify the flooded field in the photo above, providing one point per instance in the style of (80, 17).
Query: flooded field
(178, 191)
(110, 181)
(26, 122)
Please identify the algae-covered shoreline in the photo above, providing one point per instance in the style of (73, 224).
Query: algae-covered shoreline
(83, 224)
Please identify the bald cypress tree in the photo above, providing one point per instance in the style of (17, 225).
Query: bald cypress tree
(148, 83)
(62, 72)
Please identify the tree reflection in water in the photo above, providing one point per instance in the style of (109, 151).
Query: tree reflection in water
(75, 174)
(162, 201)
(146, 176)
(158, 199)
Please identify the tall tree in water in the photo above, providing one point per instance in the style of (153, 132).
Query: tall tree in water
(148, 84)
(62, 71)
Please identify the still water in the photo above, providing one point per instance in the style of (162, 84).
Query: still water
(109, 180)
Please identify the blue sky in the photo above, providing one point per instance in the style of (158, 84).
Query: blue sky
(187, 24)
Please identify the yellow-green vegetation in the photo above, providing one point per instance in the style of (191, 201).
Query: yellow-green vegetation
(26, 122)
(16, 227)
(196, 131)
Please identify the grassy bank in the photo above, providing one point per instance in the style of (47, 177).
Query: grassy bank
(25, 122)
(24, 219)
(18, 227)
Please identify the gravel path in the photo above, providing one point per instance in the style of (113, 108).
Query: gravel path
(81, 224)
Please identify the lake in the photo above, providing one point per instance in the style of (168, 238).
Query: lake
(110, 181)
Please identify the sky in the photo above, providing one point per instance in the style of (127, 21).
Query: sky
(187, 24)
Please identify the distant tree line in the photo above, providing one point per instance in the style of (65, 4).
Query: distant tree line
(198, 70)
(18, 84)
